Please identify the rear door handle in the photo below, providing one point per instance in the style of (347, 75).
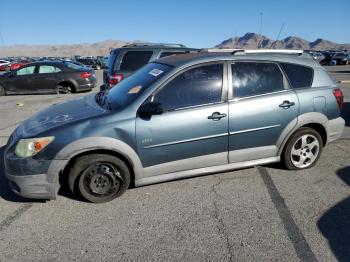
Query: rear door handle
(286, 104)
(216, 116)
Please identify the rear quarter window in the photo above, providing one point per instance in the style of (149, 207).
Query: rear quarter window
(134, 60)
(299, 76)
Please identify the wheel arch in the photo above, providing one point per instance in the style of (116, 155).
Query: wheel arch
(126, 160)
(314, 120)
(71, 82)
(66, 156)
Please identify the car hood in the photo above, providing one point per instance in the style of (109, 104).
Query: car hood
(60, 114)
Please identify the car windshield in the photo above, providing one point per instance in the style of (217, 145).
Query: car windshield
(129, 89)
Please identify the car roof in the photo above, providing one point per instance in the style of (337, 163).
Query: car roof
(46, 63)
(203, 57)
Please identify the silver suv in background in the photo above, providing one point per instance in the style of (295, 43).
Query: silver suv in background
(124, 61)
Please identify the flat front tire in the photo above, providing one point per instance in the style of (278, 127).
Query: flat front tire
(99, 178)
(303, 149)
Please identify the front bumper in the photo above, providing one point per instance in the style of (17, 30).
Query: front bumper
(34, 186)
(33, 178)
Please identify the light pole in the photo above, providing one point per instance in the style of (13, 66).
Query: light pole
(2, 42)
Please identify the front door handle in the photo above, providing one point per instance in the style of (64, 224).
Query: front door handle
(216, 116)
(286, 104)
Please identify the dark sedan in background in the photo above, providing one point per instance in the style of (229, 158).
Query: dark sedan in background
(47, 77)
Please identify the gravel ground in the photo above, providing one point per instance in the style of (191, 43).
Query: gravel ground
(256, 214)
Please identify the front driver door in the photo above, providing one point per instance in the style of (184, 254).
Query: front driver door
(192, 132)
(21, 81)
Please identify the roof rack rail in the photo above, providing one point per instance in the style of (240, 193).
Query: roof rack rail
(300, 53)
(155, 44)
(222, 50)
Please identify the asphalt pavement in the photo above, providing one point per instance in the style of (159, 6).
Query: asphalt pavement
(255, 214)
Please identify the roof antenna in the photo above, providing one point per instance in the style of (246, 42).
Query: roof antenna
(260, 33)
(278, 36)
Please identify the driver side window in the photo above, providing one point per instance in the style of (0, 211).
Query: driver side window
(26, 70)
(197, 86)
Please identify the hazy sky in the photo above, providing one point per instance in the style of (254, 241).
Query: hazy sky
(195, 23)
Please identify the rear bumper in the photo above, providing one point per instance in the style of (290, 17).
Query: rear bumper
(88, 86)
(335, 128)
(34, 186)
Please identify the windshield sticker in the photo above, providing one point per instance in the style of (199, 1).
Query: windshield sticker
(155, 72)
(135, 89)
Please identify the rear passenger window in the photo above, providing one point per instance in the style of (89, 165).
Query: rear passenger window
(164, 54)
(299, 76)
(197, 86)
(133, 60)
(252, 78)
(46, 69)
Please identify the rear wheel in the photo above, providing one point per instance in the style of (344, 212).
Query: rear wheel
(99, 178)
(303, 149)
(66, 88)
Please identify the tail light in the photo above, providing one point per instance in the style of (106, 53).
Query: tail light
(115, 79)
(338, 94)
(85, 75)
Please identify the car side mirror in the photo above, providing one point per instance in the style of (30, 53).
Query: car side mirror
(149, 109)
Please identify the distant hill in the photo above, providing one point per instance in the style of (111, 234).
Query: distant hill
(248, 41)
(253, 41)
(99, 48)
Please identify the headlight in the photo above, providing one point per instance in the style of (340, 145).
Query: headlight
(30, 147)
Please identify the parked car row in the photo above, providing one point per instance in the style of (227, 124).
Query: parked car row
(122, 63)
(13, 63)
(341, 57)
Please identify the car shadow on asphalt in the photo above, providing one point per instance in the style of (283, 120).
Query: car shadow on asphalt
(5, 191)
(334, 224)
(346, 113)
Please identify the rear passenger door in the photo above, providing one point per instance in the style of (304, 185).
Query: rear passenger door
(261, 106)
(46, 78)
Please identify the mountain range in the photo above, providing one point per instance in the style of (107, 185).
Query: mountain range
(248, 41)
(253, 41)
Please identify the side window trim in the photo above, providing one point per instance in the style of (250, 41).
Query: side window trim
(231, 97)
(224, 89)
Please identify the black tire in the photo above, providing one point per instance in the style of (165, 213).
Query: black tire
(92, 175)
(2, 91)
(289, 158)
(66, 88)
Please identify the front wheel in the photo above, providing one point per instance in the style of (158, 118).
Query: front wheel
(303, 149)
(99, 178)
(2, 91)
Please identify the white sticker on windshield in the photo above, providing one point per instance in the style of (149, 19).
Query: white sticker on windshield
(155, 72)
